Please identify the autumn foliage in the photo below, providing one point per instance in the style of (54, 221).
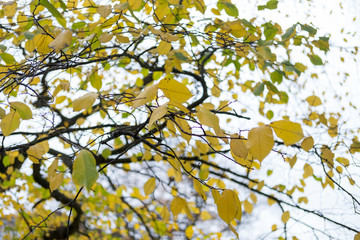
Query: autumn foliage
(158, 119)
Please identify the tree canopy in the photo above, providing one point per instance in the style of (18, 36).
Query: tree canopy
(162, 119)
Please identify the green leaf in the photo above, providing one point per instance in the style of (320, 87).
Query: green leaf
(284, 97)
(270, 33)
(259, 89)
(289, 33)
(8, 58)
(312, 31)
(59, 17)
(200, 6)
(84, 169)
(106, 153)
(229, 8)
(322, 43)
(78, 25)
(179, 55)
(6, 161)
(272, 4)
(271, 87)
(316, 60)
(269, 114)
(23, 110)
(62, 5)
(276, 77)
(96, 81)
(29, 35)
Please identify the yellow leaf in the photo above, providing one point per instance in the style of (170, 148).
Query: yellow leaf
(36, 151)
(2, 113)
(260, 142)
(226, 206)
(104, 10)
(84, 102)
(237, 29)
(176, 205)
(285, 217)
(215, 194)
(187, 209)
(271, 201)
(163, 48)
(174, 90)
(248, 207)
(145, 96)
(239, 208)
(10, 123)
(52, 168)
(357, 236)
(165, 214)
(189, 232)
(122, 6)
(339, 169)
(344, 161)
(10, 8)
(293, 161)
(314, 101)
(41, 43)
(238, 146)
(207, 118)
(327, 154)
(273, 227)
(122, 39)
(308, 171)
(135, 4)
(307, 143)
(204, 215)
(233, 230)
(105, 37)
(179, 106)
(61, 41)
(56, 181)
(253, 198)
(171, 38)
(157, 114)
(184, 128)
(149, 186)
(288, 131)
(199, 189)
(23, 109)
